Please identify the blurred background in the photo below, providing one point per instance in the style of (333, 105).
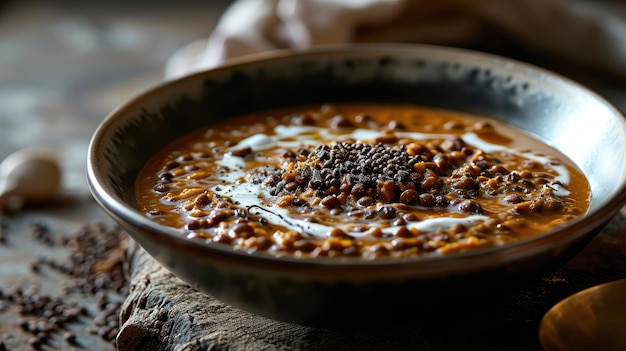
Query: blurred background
(64, 65)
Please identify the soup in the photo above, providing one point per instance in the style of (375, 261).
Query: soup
(367, 180)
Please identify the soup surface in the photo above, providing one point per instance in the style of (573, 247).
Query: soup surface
(369, 180)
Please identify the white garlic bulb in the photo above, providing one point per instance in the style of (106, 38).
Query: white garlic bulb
(29, 176)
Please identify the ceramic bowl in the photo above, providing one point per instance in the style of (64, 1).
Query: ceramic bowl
(327, 291)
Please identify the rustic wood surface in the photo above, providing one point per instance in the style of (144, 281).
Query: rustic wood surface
(164, 313)
(64, 65)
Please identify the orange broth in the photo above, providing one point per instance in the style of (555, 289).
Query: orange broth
(369, 180)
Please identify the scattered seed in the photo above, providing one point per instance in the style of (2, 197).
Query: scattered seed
(95, 263)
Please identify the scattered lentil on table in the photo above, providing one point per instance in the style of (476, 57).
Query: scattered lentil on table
(95, 263)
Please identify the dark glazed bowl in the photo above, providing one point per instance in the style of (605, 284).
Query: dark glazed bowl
(327, 291)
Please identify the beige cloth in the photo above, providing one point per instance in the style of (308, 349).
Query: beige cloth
(588, 33)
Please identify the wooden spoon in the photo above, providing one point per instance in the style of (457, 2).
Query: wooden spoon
(593, 319)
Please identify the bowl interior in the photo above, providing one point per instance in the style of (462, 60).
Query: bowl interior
(560, 112)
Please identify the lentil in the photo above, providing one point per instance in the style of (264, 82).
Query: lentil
(41, 233)
(95, 263)
(3, 227)
(361, 179)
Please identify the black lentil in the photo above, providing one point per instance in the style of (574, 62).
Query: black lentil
(3, 228)
(42, 233)
(95, 263)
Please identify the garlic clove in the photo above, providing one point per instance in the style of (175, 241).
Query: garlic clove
(29, 176)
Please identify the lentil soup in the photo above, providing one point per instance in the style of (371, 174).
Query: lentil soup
(369, 180)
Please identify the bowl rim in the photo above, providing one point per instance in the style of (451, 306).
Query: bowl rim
(550, 240)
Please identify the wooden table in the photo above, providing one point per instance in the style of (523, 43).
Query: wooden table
(64, 66)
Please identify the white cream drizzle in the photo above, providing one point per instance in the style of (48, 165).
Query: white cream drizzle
(251, 196)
